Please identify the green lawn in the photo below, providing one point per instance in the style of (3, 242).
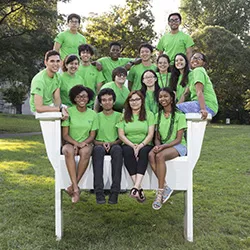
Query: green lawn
(221, 203)
(18, 124)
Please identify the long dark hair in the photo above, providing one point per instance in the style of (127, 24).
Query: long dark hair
(127, 108)
(144, 87)
(176, 73)
(160, 111)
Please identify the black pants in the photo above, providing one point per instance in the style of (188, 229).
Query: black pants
(133, 166)
(116, 163)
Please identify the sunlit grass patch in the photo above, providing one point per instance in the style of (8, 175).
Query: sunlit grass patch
(18, 145)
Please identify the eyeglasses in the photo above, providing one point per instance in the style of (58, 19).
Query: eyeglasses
(197, 58)
(176, 20)
(135, 100)
(121, 75)
(148, 77)
(78, 97)
(74, 21)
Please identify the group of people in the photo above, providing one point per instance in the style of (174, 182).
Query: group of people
(139, 124)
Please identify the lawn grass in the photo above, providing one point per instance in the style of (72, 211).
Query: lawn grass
(18, 124)
(221, 203)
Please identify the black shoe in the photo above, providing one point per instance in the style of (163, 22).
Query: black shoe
(113, 198)
(100, 198)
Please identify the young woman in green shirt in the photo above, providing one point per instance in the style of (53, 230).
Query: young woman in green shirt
(169, 142)
(163, 70)
(78, 132)
(136, 131)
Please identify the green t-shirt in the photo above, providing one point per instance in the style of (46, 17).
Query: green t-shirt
(163, 79)
(172, 44)
(108, 65)
(44, 86)
(179, 123)
(80, 123)
(68, 82)
(200, 75)
(136, 131)
(121, 95)
(107, 131)
(135, 74)
(150, 103)
(91, 77)
(69, 43)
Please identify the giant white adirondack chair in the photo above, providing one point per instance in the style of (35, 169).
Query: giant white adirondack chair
(179, 170)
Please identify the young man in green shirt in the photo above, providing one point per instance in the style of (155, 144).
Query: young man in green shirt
(175, 41)
(108, 64)
(93, 78)
(45, 87)
(135, 73)
(107, 143)
(67, 42)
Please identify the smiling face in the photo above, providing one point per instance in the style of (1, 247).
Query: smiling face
(149, 79)
(180, 62)
(163, 65)
(197, 61)
(145, 54)
(72, 67)
(115, 52)
(82, 99)
(73, 24)
(174, 22)
(135, 102)
(165, 99)
(53, 63)
(85, 56)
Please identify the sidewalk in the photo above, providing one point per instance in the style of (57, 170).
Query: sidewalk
(19, 134)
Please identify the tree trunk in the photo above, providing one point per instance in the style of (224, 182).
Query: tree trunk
(19, 109)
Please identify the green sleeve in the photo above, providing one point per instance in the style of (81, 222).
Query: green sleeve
(182, 123)
(37, 88)
(65, 123)
(95, 123)
(189, 42)
(150, 118)
(59, 38)
(199, 76)
(131, 74)
(159, 45)
(120, 124)
(100, 77)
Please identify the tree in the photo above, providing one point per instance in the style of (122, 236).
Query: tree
(231, 14)
(131, 25)
(228, 68)
(246, 97)
(27, 28)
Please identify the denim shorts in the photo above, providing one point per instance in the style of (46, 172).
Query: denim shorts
(181, 149)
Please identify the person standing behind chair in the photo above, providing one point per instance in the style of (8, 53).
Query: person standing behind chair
(69, 78)
(136, 131)
(135, 73)
(78, 132)
(169, 142)
(149, 89)
(181, 76)
(93, 78)
(119, 75)
(45, 87)
(107, 142)
(175, 41)
(67, 42)
(163, 71)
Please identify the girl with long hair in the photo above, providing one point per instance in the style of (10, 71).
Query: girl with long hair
(163, 71)
(169, 142)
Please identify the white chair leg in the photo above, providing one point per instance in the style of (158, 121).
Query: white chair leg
(58, 213)
(188, 217)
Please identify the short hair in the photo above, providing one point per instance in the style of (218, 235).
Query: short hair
(51, 53)
(85, 47)
(76, 90)
(174, 14)
(106, 91)
(146, 45)
(68, 59)
(73, 15)
(115, 44)
(118, 70)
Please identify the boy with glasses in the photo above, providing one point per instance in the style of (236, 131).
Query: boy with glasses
(175, 41)
(67, 42)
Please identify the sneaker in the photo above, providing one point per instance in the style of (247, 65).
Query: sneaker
(100, 198)
(166, 193)
(157, 204)
(113, 198)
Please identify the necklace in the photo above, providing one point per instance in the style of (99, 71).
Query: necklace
(164, 85)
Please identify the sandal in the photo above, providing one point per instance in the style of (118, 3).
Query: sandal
(134, 193)
(142, 196)
(167, 191)
(157, 204)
